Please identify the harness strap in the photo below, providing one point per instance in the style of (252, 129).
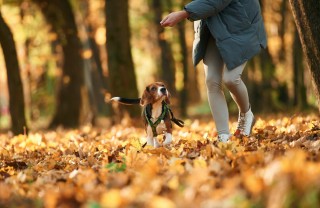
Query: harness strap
(154, 125)
(165, 109)
(178, 122)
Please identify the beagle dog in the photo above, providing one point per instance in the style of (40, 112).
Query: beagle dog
(156, 112)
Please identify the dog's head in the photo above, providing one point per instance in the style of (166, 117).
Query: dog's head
(155, 92)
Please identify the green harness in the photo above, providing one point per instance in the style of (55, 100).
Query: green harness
(165, 109)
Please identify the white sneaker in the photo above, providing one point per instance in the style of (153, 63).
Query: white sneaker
(223, 138)
(245, 123)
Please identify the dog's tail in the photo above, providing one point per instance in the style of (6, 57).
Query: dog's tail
(126, 101)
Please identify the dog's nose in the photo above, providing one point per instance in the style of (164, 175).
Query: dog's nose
(163, 90)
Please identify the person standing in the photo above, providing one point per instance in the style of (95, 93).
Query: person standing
(228, 33)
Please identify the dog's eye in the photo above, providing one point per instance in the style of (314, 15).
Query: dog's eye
(153, 88)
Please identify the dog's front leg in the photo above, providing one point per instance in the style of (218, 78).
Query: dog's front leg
(150, 141)
(156, 143)
(150, 136)
(153, 141)
(168, 139)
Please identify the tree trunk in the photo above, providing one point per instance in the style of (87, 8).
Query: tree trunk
(16, 97)
(167, 67)
(282, 29)
(94, 96)
(60, 16)
(194, 95)
(300, 97)
(264, 90)
(307, 18)
(184, 50)
(101, 83)
(190, 92)
(120, 64)
(268, 89)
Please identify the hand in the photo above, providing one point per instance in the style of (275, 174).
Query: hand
(173, 18)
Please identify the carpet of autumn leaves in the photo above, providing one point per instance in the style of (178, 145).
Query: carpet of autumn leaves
(278, 166)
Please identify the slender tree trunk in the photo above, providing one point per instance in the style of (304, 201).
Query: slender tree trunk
(167, 71)
(190, 92)
(282, 29)
(194, 95)
(184, 50)
(60, 16)
(307, 18)
(99, 81)
(265, 90)
(300, 97)
(94, 102)
(120, 64)
(16, 97)
(101, 86)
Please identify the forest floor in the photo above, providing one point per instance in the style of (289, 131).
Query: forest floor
(278, 166)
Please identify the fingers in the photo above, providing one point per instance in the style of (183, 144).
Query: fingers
(166, 24)
(170, 20)
(166, 21)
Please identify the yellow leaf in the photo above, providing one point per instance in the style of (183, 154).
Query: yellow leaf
(173, 183)
(199, 163)
(252, 183)
(161, 202)
(111, 198)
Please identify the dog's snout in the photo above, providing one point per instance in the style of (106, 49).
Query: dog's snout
(163, 90)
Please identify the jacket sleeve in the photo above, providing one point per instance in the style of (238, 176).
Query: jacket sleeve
(201, 9)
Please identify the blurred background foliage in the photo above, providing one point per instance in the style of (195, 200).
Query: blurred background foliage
(277, 79)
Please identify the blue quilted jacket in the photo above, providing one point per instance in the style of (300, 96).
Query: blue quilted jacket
(236, 25)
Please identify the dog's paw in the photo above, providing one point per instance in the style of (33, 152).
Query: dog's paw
(150, 141)
(168, 139)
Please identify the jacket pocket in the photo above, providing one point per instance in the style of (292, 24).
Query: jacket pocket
(235, 18)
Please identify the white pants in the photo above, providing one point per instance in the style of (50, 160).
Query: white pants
(216, 73)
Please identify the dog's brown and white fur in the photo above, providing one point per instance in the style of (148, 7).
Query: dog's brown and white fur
(152, 98)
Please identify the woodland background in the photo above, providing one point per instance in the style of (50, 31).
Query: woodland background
(62, 144)
(68, 70)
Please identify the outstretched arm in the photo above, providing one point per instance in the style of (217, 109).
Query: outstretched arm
(173, 18)
(195, 10)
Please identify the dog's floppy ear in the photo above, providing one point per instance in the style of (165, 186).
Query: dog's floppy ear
(146, 97)
(167, 100)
